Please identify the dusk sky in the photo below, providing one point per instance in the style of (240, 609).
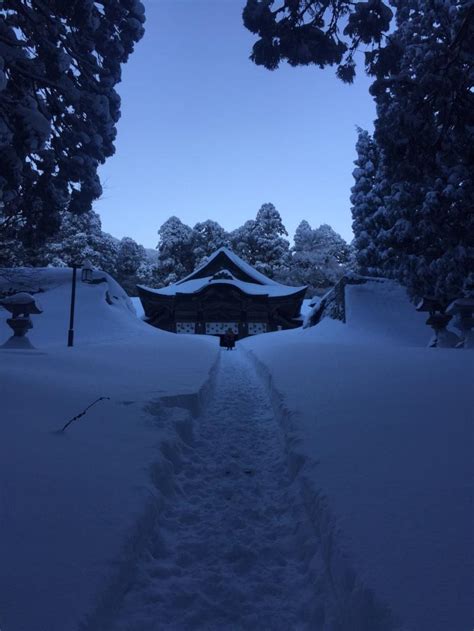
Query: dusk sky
(205, 134)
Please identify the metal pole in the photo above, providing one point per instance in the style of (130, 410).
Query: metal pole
(70, 335)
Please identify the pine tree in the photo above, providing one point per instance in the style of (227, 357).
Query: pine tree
(131, 257)
(146, 274)
(175, 251)
(319, 32)
(423, 232)
(425, 129)
(208, 236)
(60, 61)
(271, 250)
(80, 237)
(303, 238)
(368, 212)
(319, 257)
(261, 243)
(243, 243)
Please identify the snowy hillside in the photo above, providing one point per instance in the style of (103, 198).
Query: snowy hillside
(381, 426)
(103, 311)
(70, 502)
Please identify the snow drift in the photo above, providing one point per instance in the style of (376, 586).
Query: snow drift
(381, 427)
(74, 506)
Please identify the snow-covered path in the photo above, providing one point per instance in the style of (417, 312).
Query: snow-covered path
(225, 554)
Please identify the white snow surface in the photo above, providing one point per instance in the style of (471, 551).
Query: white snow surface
(226, 553)
(382, 427)
(240, 263)
(74, 505)
(137, 305)
(321, 464)
(263, 286)
(197, 284)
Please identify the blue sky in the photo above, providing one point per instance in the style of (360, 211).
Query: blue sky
(205, 134)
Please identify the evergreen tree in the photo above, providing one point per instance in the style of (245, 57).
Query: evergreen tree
(319, 32)
(175, 251)
(243, 243)
(328, 240)
(425, 129)
(59, 63)
(261, 243)
(303, 239)
(367, 205)
(423, 232)
(131, 257)
(319, 257)
(80, 237)
(271, 252)
(12, 253)
(146, 274)
(208, 236)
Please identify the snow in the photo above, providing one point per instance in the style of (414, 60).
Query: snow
(21, 298)
(240, 263)
(263, 286)
(381, 426)
(307, 307)
(197, 284)
(382, 310)
(137, 305)
(313, 479)
(226, 554)
(74, 505)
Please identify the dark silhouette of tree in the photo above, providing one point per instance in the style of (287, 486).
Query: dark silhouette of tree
(304, 32)
(423, 230)
(59, 63)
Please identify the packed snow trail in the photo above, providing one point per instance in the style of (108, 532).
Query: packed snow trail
(225, 554)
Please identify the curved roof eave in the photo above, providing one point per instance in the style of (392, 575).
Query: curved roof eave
(285, 291)
(245, 267)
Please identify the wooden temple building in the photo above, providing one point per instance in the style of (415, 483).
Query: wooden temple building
(225, 292)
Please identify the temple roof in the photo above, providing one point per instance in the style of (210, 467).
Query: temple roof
(226, 259)
(223, 267)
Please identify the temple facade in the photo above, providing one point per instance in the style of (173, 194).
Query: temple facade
(225, 292)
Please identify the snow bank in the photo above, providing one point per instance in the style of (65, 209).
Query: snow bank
(383, 311)
(137, 305)
(74, 506)
(383, 430)
(375, 310)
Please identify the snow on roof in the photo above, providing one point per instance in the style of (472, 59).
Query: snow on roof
(195, 285)
(262, 286)
(246, 268)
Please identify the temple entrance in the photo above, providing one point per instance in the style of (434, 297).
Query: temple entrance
(219, 328)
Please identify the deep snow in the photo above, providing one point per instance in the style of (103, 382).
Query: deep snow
(382, 426)
(70, 503)
(235, 546)
(333, 482)
(225, 553)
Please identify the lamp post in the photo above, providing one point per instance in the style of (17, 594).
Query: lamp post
(87, 271)
(70, 334)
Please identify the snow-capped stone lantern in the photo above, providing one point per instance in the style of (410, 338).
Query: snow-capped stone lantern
(87, 271)
(438, 321)
(463, 311)
(21, 306)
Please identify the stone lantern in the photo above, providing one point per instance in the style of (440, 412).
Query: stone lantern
(463, 311)
(21, 306)
(438, 321)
